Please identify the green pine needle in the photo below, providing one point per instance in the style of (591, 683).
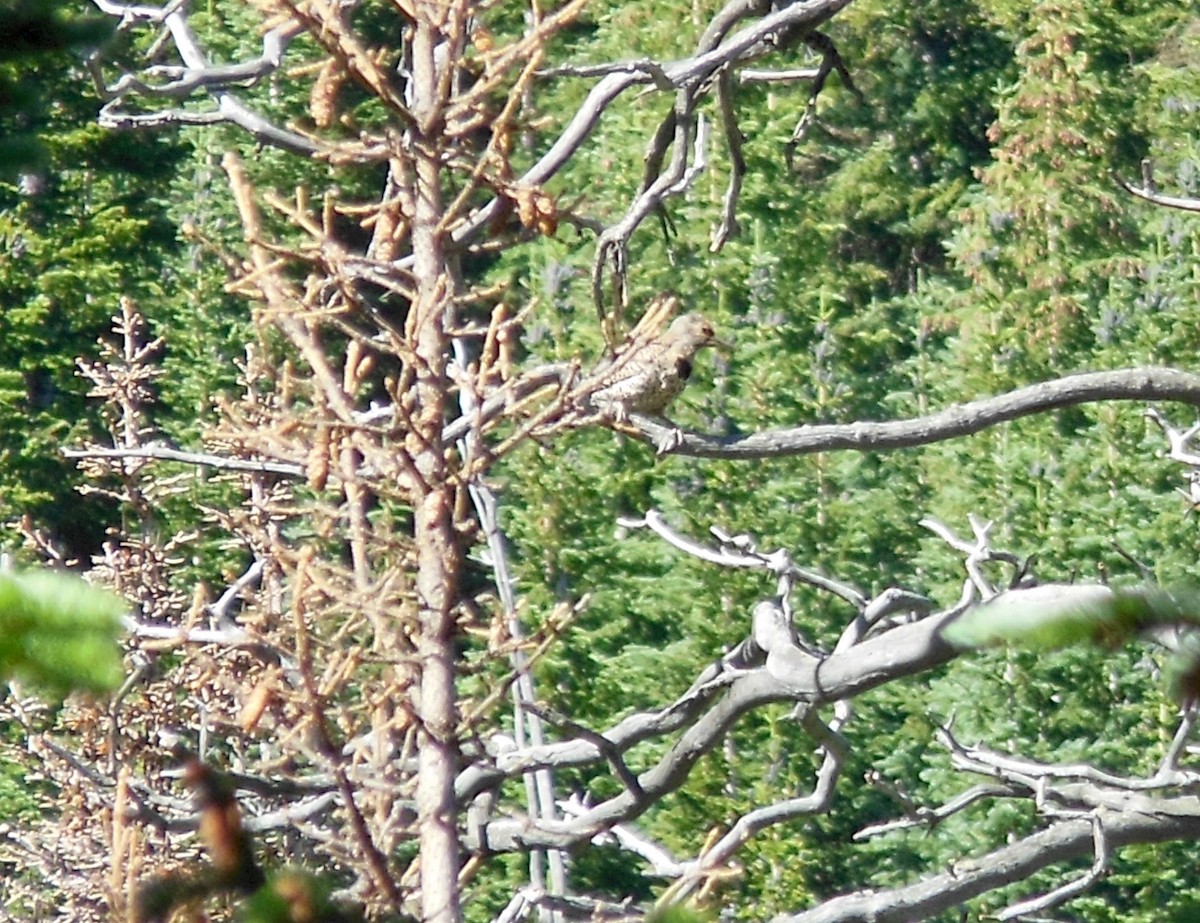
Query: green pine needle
(1055, 616)
(59, 633)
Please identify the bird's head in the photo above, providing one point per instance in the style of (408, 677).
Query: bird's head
(691, 332)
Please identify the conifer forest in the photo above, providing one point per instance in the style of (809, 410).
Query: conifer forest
(482, 461)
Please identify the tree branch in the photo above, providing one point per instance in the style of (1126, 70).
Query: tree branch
(790, 674)
(1148, 383)
(195, 73)
(716, 53)
(1148, 193)
(1158, 820)
(202, 459)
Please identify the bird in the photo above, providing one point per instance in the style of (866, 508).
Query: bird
(653, 366)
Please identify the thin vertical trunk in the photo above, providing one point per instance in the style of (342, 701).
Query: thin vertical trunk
(438, 555)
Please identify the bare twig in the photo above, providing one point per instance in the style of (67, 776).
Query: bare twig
(835, 751)
(716, 50)
(1023, 771)
(977, 553)
(1070, 889)
(831, 61)
(1161, 819)
(790, 675)
(201, 459)
(527, 721)
(922, 816)
(796, 75)
(198, 72)
(1178, 439)
(737, 164)
(739, 551)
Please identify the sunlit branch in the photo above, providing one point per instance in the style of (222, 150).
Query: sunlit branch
(835, 751)
(1149, 193)
(717, 52)
(790, 674)
(1162, 820)
(1072, 888)
(1134, 384)
(200, 459)
(198, 72)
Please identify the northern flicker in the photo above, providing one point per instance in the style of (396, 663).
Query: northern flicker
(653, 366)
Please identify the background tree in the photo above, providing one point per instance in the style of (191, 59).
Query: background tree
(73, 243)
(364, 503)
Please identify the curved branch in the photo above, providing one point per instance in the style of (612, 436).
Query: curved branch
(1149, 194)
(835, 752)
(737, 165)
(1136, 384)
(716, 52)
(791, 674)
(197, 72)
(1162, 820)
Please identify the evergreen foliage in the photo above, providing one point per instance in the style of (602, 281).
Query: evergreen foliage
(944, 228)
(82, 226)
(58, 633)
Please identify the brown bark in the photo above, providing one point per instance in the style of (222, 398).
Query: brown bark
(438, 555)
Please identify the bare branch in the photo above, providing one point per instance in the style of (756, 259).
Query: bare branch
(921, 816)
(1159, 820)
(181, 81)
(1136, 384)
(797, 75)
(1070, 889)
(1177, 439)
(740, 551)
(198, 72)
(835, 750)
(977, 553)
(201, 459)
(790, 674)
(1148, 192)
(716, 52)
(612, 247)
(737, 164)
(1169, 768)
(1148, 383)
(659, 858)
(831, 60)
(1028, 772)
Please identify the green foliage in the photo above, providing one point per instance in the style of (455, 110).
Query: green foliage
(78, 234)
(58, 633)
(32, 32)
(292, 896)
(955, 236)
(1051, 617)
(679, 914)
(1048, 617)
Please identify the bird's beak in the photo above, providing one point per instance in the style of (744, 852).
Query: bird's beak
(722, 345)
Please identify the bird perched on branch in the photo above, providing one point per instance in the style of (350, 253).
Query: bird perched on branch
(654, 364)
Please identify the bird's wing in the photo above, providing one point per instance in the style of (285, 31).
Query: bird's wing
(654, 320)
(645, 339)
(649, 329)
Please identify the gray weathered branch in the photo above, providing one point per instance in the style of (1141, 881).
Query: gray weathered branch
(1135, 384)
(790, 674)
(195, 73)
(1158, 821)
(1149, 193)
